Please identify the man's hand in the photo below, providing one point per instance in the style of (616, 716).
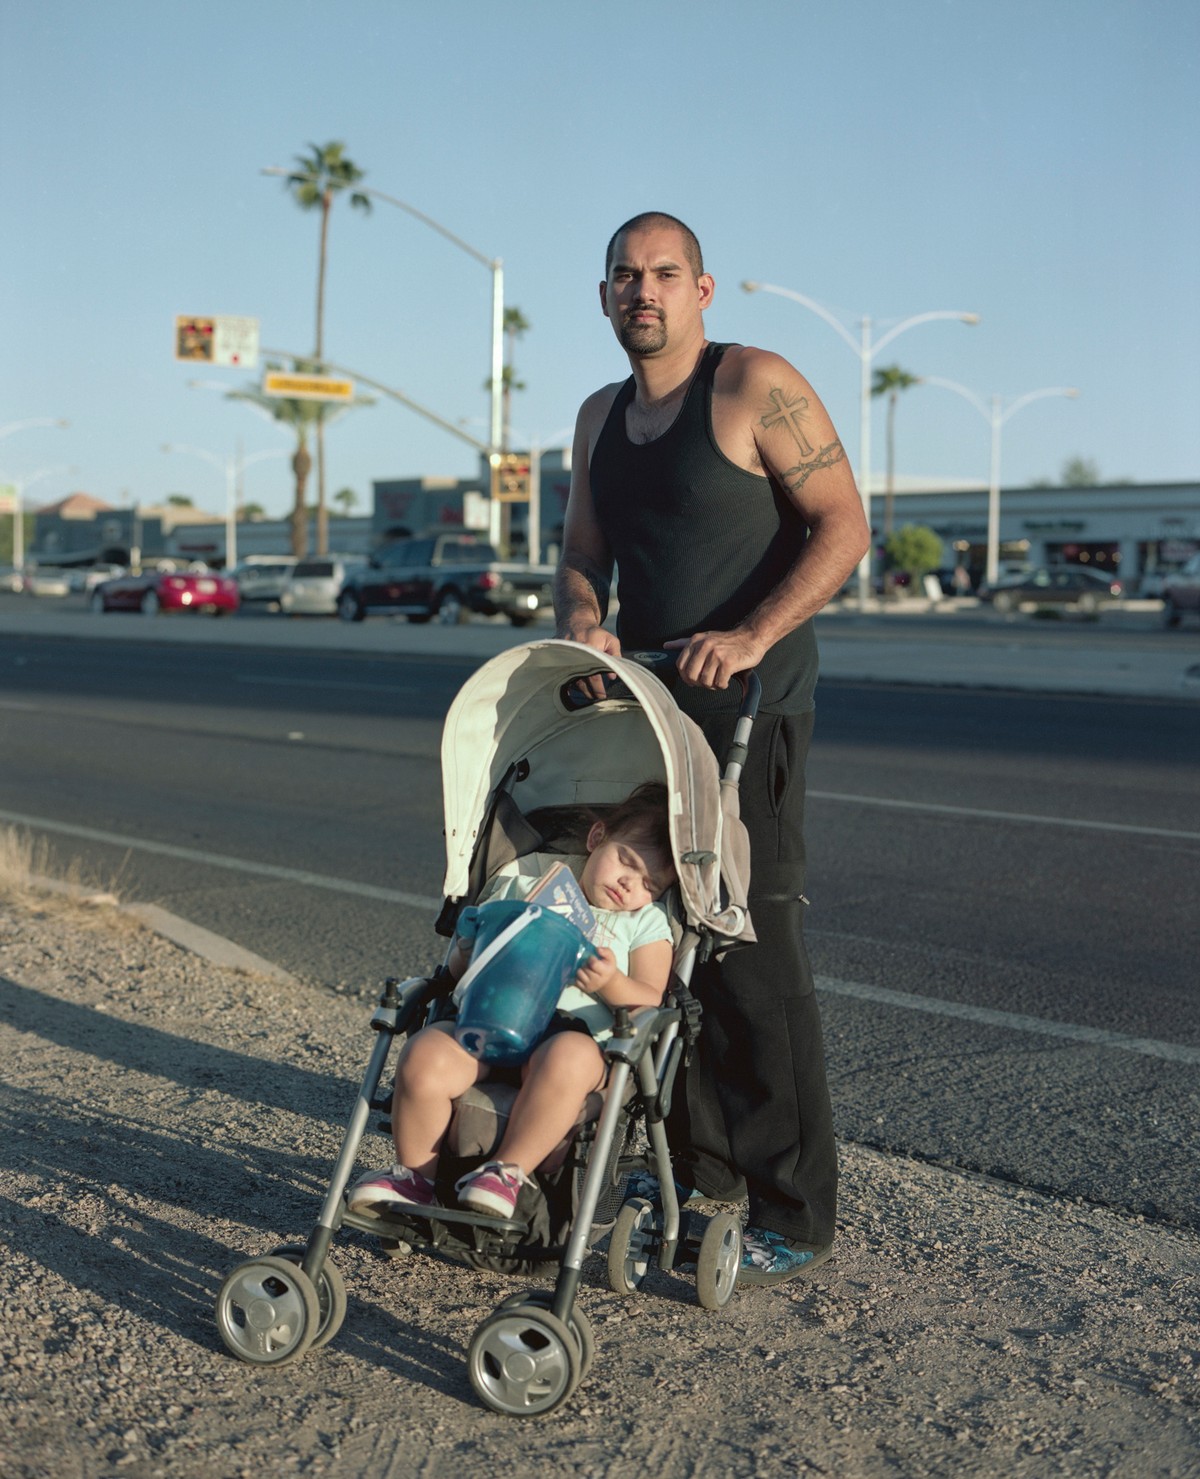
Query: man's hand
(592, 636)
(714, 659)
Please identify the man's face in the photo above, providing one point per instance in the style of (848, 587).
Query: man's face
(651, 294)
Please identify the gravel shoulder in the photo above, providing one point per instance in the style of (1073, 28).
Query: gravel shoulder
(165, 1117)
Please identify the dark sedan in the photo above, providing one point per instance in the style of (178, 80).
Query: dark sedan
(1077, 586)
(153, 591)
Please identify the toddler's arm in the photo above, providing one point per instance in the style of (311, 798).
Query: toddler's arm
(649, 972)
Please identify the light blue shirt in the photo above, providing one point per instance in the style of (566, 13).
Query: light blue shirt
(622, 930)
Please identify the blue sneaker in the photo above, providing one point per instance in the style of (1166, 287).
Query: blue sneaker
(770, 1258)
(644, 1185)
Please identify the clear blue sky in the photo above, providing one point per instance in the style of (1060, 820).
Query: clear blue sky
(1038, 163)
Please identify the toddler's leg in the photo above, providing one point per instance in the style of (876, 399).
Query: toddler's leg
(432, 1071)
(560, 1076)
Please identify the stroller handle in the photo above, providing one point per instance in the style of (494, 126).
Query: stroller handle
(662, 665)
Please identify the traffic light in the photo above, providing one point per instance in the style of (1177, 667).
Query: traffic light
(511, 478)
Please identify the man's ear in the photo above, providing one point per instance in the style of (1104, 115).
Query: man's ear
(708, 287)
(596, 836)
(604, 299)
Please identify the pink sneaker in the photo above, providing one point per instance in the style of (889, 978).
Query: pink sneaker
(398, 1187)
(493, 1188)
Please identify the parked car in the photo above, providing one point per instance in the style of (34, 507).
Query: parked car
(1181, 593)
(264, 578)
(153, 591)
(447, 576)
(46, 580)
(1076, 586)
(313, 586)
(87, 577)
(11, 579)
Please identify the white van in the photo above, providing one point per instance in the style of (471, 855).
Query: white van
(314, 584)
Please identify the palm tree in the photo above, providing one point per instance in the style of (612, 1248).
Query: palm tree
(347, 498)
(301, 417)
(317, 179)
(890, 381)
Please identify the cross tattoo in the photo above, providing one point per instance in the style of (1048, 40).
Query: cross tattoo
(789, 415)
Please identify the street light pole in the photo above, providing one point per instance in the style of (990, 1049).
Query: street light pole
(496, 267)
(21, 485)
(996, 415)
(232, 467)
(18, 520)
(866, 351)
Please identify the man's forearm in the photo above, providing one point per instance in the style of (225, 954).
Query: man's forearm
(831, 553)
(580, 595)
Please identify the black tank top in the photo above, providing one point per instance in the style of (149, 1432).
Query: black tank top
(698, 542)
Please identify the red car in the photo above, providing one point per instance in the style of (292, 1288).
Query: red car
(168, 590)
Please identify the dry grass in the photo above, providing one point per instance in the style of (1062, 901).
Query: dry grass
(29, 872)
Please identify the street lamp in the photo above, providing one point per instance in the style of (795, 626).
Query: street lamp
(866, 352)
(996, 415)
(232, 467)
(20, 487)
(18, 525)
(32, 421)
(496, 267)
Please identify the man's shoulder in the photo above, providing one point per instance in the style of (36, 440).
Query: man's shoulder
(600, 401)
(745, 367)
(594, 411)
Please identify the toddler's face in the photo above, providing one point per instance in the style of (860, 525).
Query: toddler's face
(620, 874)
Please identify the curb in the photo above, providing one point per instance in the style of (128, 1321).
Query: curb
(216, 949)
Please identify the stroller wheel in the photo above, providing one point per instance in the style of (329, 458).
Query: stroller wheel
(579, 1324)
(634, 1238)
(719, 1261)
(523, 1362)
(268, 1311)
(331, 1293)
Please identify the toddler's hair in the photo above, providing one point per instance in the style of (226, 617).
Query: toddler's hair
(642, 817)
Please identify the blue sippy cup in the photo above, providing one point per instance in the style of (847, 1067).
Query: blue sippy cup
(524, 956)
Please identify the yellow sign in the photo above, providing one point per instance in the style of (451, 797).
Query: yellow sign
(307, 387)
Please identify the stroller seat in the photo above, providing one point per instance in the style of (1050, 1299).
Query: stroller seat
(481, 1118)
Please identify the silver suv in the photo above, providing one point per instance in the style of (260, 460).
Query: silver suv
(263, 578)
(1181, 592)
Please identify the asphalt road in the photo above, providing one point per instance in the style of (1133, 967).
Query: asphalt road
(1002, 884)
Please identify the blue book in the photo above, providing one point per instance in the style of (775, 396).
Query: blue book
(558, 889)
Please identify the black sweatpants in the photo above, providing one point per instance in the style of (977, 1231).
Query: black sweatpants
(754, 1114)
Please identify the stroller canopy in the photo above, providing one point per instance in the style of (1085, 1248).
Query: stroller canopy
(516, 709)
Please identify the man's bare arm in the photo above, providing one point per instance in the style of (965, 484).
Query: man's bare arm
(584, 575)
(795, 444)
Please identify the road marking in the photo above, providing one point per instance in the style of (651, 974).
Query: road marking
(16, 704)
(219, 860)
(389, 688)
(1005, 816)
(1012, 1021)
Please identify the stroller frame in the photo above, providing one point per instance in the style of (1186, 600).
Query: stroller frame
(530, 1354)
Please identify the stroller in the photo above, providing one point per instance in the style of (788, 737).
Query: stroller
(526, 754)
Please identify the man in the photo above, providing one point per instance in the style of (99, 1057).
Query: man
(714, 480)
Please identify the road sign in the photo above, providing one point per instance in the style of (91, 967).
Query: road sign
(217, 340)
(510, 478)
(235, 342)
(307, 387)
(194, 339)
